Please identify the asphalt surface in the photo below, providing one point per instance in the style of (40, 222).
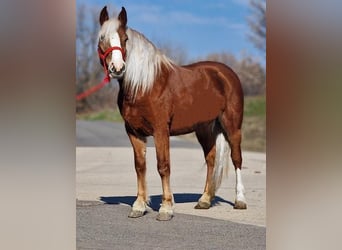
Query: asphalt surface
(106, 189)
(102, 226)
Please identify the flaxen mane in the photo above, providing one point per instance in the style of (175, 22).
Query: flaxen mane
(143, 62)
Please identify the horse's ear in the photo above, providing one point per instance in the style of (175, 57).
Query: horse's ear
(103, 15)
(123, 17)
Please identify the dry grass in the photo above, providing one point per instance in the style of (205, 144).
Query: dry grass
(254, 134)
(254, 124)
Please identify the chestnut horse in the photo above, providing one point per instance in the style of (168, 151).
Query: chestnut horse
(161, 99)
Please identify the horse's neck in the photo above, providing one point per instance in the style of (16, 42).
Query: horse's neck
(126, 94)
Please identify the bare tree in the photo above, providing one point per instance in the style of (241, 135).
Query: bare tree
(249, 70)
(257, 23)
(88, 69)
(252, 75)
(175, 52)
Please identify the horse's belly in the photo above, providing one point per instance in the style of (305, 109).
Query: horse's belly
(187, 119)
(195, 102)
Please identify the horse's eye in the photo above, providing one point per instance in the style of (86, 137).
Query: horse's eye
(102, 37)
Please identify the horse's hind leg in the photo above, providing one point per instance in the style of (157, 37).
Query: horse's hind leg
(206, 137)
(139, 147)
(231, 121)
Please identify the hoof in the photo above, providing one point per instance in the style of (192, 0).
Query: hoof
(240, 205)
(202, 205)
(164, 216)
(136, 214)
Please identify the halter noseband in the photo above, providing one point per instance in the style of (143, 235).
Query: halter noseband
(103, 56)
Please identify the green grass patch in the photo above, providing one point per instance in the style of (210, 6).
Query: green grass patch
(255, 106)
(112, 115)
(254, 124)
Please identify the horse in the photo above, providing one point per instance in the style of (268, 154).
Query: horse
(161, 99)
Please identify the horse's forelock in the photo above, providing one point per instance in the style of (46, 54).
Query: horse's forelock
(109, 27)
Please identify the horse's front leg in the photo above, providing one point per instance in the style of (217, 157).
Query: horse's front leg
(162, 143)
(139, 147)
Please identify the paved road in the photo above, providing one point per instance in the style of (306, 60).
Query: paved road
(106, 187)
(108, 227)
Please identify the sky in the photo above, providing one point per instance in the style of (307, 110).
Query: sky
(198, 27)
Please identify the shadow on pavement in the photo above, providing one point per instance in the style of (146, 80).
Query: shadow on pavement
(155, 200)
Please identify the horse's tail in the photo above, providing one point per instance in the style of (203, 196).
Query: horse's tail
(221, 162)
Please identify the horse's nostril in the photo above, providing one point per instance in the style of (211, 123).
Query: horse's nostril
(111, 68)
(123, 69)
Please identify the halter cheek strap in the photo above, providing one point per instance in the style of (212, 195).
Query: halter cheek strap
(103, 55)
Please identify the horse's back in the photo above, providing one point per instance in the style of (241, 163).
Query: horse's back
(219, 72)
(210, 65)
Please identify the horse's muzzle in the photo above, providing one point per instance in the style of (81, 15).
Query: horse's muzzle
(114, 73)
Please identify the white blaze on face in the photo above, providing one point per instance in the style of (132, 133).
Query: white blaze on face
(117, 60)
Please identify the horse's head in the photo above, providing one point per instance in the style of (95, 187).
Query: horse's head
(112, 43)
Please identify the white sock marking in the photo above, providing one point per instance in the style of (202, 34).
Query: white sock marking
(240, 190)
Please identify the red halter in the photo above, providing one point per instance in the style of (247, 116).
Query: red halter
(106, 80)
(103, 56)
